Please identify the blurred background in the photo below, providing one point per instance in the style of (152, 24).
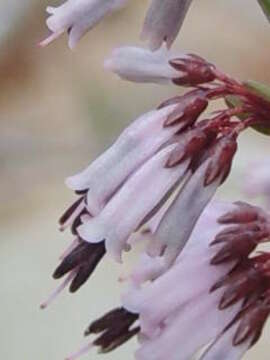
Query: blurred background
(58, 110)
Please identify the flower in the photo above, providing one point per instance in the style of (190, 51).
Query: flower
(230, 296)
(159, 177)
(162, 66)
(163, 20)
(78, 17)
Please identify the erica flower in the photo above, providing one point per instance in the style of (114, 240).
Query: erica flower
(169, 150)
(77, 17)
(163, 21)
(229, 295)
(162, 24)
(162, 66)
(157, 179)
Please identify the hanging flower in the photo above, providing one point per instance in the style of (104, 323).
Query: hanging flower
(163, 21)
(229, 294)
(198, 265)
(78, 17)
(173, 152)
(162, 24)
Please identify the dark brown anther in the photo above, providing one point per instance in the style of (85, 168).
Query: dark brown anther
(84, 259)
(115, 328)
(195, 71)
(111, 341)
(221, 155)
(69, 212)
(115, 316)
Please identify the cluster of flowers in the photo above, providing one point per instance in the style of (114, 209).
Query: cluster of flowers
(183, 158)
(161, 175)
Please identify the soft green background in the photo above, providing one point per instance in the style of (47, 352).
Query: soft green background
(58, 110)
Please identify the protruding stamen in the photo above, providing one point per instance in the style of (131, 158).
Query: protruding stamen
(84, 350)
(58, 290)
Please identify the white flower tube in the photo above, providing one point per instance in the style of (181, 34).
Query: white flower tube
(163, 21)
(142, 65)
(133, 202)
(77, 17)
(141, 140)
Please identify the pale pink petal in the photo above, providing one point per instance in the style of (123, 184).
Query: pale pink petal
(223, 347)
(142, 65)
(79, 16)
(133, 202)
(182, 335)
(135, 145)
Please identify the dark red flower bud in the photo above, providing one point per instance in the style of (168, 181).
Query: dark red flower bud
(195, 70)
(252, 320)
(243, 214)
(221, 155)
(190, 144)
(189, 107)
(240, 285)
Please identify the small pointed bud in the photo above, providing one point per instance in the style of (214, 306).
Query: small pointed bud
(190, 106)
(191, 143)
(195, 70)
(222, 155)
(243, 214)
(240, 285)
(252, 321)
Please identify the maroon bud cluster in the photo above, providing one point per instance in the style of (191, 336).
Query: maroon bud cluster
(249, 281)
(213, 139)
(195, 70)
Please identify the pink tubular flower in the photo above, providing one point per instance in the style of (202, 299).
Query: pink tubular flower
(162, 66)
(77, 17)
(230, 298)
(163, 21)
(119, 220)
(198, 265)
(233, 309)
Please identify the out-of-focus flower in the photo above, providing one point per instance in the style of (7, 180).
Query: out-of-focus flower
(162, 24)
(229, 294)
(163, 21)
(257, 180)
(77, 17)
